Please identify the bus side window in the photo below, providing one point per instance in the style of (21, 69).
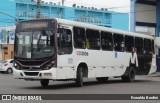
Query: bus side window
(147, 45)
(129, 43)
(79, 38)
(64, 41)
(118, 42)
(106, 41)
(139, 44)
(93, 39)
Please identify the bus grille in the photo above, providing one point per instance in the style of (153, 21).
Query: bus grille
(31, 73)
(33, 68)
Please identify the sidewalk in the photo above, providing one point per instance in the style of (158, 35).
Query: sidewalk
(153, 77)
(157, 74)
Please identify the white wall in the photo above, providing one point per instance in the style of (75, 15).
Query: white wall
(145, 13)
(145, 30)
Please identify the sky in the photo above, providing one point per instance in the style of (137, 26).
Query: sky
(113, 5)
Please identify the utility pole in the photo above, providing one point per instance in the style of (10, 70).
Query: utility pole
(63, 2)
(38, 8)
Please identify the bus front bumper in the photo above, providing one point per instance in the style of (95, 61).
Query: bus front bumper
(35, 75)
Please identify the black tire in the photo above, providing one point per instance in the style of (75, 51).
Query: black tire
(3, 72)
(79, 78)
(44, 83)
(124, 78)
(9, 70)
(130, 76)
(102, 79)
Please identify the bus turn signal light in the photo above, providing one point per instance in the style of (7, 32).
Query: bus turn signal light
(47, 74)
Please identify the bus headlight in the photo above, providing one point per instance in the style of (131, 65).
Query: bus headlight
(47, 68)
(15, 65)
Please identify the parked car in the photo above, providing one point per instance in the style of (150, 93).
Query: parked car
(6, 66)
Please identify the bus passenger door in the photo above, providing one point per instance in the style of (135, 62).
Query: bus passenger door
(140, 68)
(65, 52)
(139, 43)
(147, 56)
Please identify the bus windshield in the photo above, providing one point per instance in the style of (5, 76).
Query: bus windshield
(33, 45)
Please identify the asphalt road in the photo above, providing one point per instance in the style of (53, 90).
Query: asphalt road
(142, 85)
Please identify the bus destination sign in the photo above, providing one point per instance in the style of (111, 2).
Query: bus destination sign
(34, 25)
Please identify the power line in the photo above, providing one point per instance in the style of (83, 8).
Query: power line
(87, 17)
(82, 4)
(6, 21)
(2, 8)
(117, 13)
(89, 5)
(9, 15)
(109, 8)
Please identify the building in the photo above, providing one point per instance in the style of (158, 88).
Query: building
(7, 12)
(18, 10)
(27, 9)
(7, 41)
(144, 16)
(146, 20)
(140, 16)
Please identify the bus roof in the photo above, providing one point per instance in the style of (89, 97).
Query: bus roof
(107, 29)
(95, 27)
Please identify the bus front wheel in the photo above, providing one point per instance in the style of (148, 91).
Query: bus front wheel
(79, 78)
(44, 82)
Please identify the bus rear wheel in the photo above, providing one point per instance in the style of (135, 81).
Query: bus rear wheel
(79, 78)
(44, 83)
(130, 77)
(102, 79)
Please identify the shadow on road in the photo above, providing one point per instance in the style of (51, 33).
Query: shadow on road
(88, 83)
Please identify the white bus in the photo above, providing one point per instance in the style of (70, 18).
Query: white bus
(57, 49)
